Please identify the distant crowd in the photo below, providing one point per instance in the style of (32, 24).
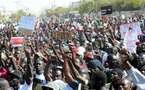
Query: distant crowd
(91, 56)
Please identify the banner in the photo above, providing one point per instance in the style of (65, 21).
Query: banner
(17, 41)
(125, 27)
(62, 35)
(123, 30)
(27, 24)
(106, 10)
(130, 36)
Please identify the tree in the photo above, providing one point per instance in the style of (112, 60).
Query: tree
(1, 16)
(86, 6)
(61, 10)
(118, 5)
(17, 15)
(58, 10)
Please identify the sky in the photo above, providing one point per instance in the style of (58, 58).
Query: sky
(34, 6)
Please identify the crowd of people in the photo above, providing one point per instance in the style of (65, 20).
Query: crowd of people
(93, 59)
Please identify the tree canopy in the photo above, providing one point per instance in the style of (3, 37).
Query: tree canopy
(118, 5)
(17, 15)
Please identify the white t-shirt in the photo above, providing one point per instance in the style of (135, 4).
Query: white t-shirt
(25, 86)
(137, 78)
(59, 85)
(104, 58)
(41, 77)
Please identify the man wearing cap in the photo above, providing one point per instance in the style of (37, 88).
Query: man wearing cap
(93, 63)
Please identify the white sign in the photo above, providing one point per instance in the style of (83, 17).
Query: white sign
(131, 36)
(125, 27)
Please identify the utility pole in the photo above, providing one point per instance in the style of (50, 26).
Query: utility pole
(53, 4)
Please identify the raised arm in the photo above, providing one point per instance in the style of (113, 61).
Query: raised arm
(29, 71)
(47, 73)
(13, 61)
(67, 73)
(54, 51)
(1, 61)
(76, 73)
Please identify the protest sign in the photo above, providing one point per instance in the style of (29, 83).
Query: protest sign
(106, 10)
(125, 27)
(17, 41)
(123, 30)
(62, 35)
(130, 36)
(27, 24)
(130, 41)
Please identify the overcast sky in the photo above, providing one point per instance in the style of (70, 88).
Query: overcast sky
(33, 5)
